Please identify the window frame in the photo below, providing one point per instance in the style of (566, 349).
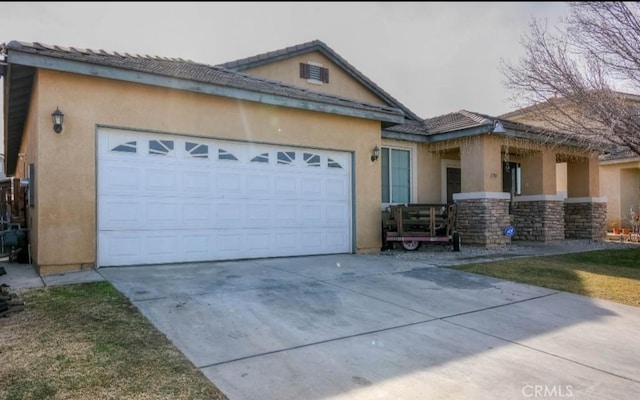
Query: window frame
(411, 185)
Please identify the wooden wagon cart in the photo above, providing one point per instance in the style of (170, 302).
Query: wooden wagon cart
(414, 224)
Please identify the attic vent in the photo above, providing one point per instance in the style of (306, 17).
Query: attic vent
(314, 73)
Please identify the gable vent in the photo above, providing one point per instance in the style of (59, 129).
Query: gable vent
(314, 72)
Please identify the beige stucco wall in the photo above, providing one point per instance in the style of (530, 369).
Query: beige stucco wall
(481, 164)
(66, 227)
(561, 179)
(539, 173)
(620, 184)
(629, 194)
(429, 187)
(583, 177)
(340, 83)
(610, 187)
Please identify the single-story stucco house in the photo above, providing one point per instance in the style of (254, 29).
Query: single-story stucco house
(163, 160)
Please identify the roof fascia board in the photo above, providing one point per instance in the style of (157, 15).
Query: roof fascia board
(405, 136)
(463, 133)
(38, 61)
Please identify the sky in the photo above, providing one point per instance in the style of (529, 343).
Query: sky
(434, 57)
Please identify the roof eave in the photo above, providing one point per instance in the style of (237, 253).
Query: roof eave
(17, 57)
(58, 64)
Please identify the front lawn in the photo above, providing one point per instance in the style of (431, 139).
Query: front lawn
(89, 342)
(604, 274)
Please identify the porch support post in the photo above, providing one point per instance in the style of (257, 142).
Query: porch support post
(539, 173)
(483, 209)
(539, 213)
(585, 213)
(481, 165)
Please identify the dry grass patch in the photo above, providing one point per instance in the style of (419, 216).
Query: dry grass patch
(89, 342)
(604, 274)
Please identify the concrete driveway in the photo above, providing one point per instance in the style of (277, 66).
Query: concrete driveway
(376, 327)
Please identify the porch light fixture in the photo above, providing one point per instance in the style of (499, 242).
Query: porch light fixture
(497, 127)
(58, 117)
(375, 153)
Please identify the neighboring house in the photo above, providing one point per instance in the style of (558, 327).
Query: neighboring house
(166, 160)
(619, 174)
(620, 183)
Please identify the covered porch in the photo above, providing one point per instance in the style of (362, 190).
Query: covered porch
(500, 174)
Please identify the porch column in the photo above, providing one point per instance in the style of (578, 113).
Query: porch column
(539, 213)
(585, 212)
(483, 209)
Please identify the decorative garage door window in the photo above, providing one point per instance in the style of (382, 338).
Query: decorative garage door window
(261, 158)
(312, 160)
(334, 164)
(286, 157)
(196, 150)
(128, 147)
(161, 147)
(225, 155)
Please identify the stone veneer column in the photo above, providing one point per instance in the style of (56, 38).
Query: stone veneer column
(482, 217)
(538, 217)
(585, 217)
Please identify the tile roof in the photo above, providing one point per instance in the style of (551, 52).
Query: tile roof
(190, 70)
(317, 45)
(433, 129)
(456, 121)
(444, 123)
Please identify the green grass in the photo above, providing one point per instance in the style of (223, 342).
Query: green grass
(605, 274)
(89, 342)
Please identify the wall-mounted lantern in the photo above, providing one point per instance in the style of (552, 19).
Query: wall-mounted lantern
(375, 153)
(58, 117)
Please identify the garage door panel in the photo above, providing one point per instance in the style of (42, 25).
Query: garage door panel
(120, 248)
(196, 215)
(195, 182)
(159, 181)
(120, 178)
(118, 212)
(229, 243)
(286, 215)
(336, 240)
(229, 183)
(337, 215)
(259, 215)
(258, 243)
(285, 186)
(162, 245)
(312, 214)
(196, 246)
(336, 189)
(164, 198)
(163, 214)
(229, 215)
(258, 185)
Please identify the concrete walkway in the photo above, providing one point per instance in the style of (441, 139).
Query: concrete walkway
(392, 325)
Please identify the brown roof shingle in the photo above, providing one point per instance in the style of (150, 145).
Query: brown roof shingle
(190, 70)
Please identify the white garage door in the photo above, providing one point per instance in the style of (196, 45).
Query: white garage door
(165, 198)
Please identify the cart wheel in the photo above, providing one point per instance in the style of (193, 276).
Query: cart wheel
(411, 245)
